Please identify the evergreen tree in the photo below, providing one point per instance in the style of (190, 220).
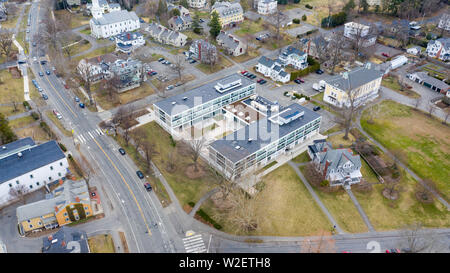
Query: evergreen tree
(184, 3)
(196, 27)
(215, 25)
(6, 133)
(364, 5)
(175, 12)
(162, 8)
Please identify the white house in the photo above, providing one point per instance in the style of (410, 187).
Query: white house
(272, 69)
(127, 42)
(266, 7)
(416, 50)
(444, 22)
(27, 165)
(100, 7)
(98, 67)
(353, 30)
(439, 49)
(294, 57)
(196, 4)
(398, 61)
(166, 36)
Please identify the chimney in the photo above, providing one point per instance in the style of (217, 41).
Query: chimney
(56, 208)
(50, 237)
(325, 149)
(77, 199)
(63, 243)
(61, 182)
(128, 36)
(327, 163)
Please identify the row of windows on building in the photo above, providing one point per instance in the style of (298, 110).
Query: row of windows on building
(37, 183)
(77, 217)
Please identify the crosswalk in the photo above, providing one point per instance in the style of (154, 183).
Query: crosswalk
(194, 244)
(85, 137)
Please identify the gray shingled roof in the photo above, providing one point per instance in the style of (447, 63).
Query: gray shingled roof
(356, 78)
(33, 158)
(262, 133)
(66, 234)
(338, 158)
(226, 9)
(202, 93)
(433, 81)
(115, 17)
(228, 40)
(265, 61)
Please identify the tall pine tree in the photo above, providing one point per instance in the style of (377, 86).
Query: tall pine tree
(6, 133)
(214, 25)
(196, 27)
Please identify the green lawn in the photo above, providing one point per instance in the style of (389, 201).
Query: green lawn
(222, 63)
(123, 98)
(249, 27)
(302, 158)
(392, 83)
(285, 207)
(79, 47)
(102, 243)
(422, 143)
(21, 122)
(97, 52)
(186, 189)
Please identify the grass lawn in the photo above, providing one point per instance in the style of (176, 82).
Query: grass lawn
(186, 189)
(58, 123)
(131, 95)
(11, 89)
(34, 132)
(421, 142)
(285, 207)
(86, 31)
(338, 140)
(12, 21)
(221, 64)
(249, 27)
(102, 243)
(194, 36)
(97, 52)
(302, 158)
(333, 129)
(82, 46)
(21, 122)
(392, 83)
(251, 53)
(77, 19)
(386, 215)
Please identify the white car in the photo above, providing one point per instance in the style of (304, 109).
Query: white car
(34, 59)
(57, 114)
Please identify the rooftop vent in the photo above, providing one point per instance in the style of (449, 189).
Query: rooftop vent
(237, 147)
(250, 140)
(174, 102)
(345, 75)
(185, 98)
(54, 241)
(19, 154)
(4, 147)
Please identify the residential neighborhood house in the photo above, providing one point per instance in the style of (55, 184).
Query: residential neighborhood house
(126, 74)
(179, 22)
(444, 22)
(115, 21)
(204, 51)
(358, 85)
(266, 7)
(97, 68)
(127, 42)
(166, 36)
(415, 50)
(439, 49)
(354, 31)
(66, 240)
(339, 166)
(229, 13)
(27, 166)
(294, 57)
(68, 203)
(430, 82)
(273, 69)
(196, 4)
(231, 44)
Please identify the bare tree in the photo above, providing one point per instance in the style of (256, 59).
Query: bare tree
(119, 117)
(225, 183)
(150, 8)
(322, 244)
(320, 48)
(86, 169)
(373, 112)
(178, 66)
(211, 56)
(149, 150)
(391, 187)
(193, 149)
(349, 107)
(360, 39)
(138, 138)
(416, 239)
(107, 87)
(6, 42)
(335, 49)
(14, 103)
(19, 192)
(431, 107)
(172, 161)
(86, 76)
(279, 18)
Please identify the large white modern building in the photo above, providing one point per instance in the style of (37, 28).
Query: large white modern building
(278, 131)
(110, 20)
(23, 163)
(266, 7)
(183, 111)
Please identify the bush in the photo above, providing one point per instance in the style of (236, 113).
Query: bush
(172, 142)
(334, 20)
(325, 183)
(313, 66)
(308, 6)
(34, 115)
(304, 17)
(26, 105)
(296, 21)
(62, 147)
(208, 219)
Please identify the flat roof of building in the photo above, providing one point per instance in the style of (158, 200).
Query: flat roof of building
(261, 133)
(199, 95)
(244, 111)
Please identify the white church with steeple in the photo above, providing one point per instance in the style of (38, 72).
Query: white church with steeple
(108, 19)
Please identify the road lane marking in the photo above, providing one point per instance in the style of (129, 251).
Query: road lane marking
(128, 186)
(91, 135)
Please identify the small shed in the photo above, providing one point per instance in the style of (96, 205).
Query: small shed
(398, 61)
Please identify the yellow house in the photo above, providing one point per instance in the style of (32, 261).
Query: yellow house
(358, 85)
(68, 203)
(228, 12)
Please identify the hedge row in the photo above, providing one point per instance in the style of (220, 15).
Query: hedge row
(313, 65)
(334, 20)
(205, 216)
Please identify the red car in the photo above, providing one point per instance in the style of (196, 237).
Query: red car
(393, 250)
(300, 80)
(66, 86)
(243, 72)
(385, 55)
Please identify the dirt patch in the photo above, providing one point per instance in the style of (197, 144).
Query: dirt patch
(390, 195)
(15, 73)
(124, 242)
(192, 174)
(221, 203)
(187, 208)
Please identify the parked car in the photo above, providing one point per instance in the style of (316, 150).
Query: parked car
(141, 20)
(393, 250)
(301, 80)
(111, 39)
(140, 174)
(384, 54)
(178, 84)
(153, 73)
(262, 82)
(252, 76)
(122, 151)
(41, 74)
(148, 187)
(33, 44)
(316, 108)
(160, 59)
(40, 89)
(66, 86)
(57, 114)
(243, 72)
(169, 87)
(192, 61)
(81, 105)
(43, 62)
(77, 99)
(319, 71)
(297, 81)
(44, 96)
(47, 72)
(201, 20)
(34, 59)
